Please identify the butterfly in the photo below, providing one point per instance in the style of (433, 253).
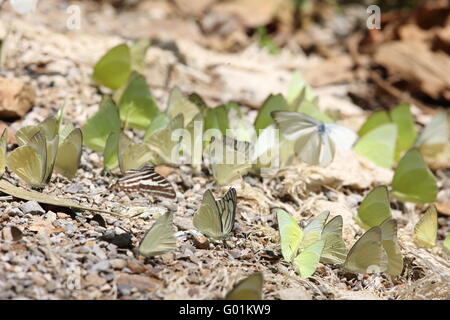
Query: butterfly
(114, 67)
(378, 145)
(374, 209)
(390, 245)
(98, 128)
(249, 288)
(315, 141)
(178, 103)
(160, 238)
(230, 159)
(446, 244)
(132, 156)
(334, 250)
(148, 181)
(3, 145)
(435, 133)
(23, 6)
(367, 255)
(426, 229)
(311, 242)
(164, 144)
(137, 107)
(413, 181)
(69, 151)
(33, 161)
(215, 218)
(402, 140)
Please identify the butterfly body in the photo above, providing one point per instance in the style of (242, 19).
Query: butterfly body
(148, 181)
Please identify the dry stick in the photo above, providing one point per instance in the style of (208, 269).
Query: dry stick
(399, 94)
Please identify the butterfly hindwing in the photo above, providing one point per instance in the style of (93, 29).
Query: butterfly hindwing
(291, 235)
(249, 288)
(146, 180)
(160, 238)
(335, 250)
(426, 229)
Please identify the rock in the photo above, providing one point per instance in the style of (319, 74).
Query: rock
(118, 263)
(16, 98)
(122, 240)
(39, 280)
(94, 280)
(136, 267)
(31, 207)
(139, 282)
(100, 266)
(12, 234)
(298, 293)
(201, 242)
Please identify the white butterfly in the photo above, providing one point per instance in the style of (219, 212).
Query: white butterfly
(315, 141)
(23, 6)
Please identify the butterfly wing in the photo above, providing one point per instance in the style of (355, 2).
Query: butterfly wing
(178, 103)
(3, 145)
(413, 181)
(249, 288)
(160, 238)
(69, 154)
(335, 250)
(446, 244)
(227, 210)
(426, 229)
(98, 128)
(344, 138)
(307, 261)
(207, 219)
(162, 144)
(28, 164)
(313, 230)
(294, 125)
(378, 145)
(132, 156)
(147, 180)
(367, 254)
(436, 132)
(290, 235)
(374, 209)
(390, 245)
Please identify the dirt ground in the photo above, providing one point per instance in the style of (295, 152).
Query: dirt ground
(68, 256)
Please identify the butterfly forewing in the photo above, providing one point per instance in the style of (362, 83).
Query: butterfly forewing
(227, 210)
(148, 181)
(160, 238)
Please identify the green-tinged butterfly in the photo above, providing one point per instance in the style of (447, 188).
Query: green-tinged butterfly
(315, 141)
(29, 161)
(375, 120)
(302, 247)
(132, 156)
(165, 143)
(334, 250)
(113, 68)
(391, 246)
(69, 153)
(230, 159)
(161, 121)
(426, 229)
(272, 103)
(446, 244)
(367, 255)
(378, 145)
(413, 181)
(137, 106)
(178, 103)
(249, 288)
(160, 238)
(435, 133)
(98, 128)
(138, 51)
(306, 262)
(3, 145)
(374, 209)
(215, 218)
